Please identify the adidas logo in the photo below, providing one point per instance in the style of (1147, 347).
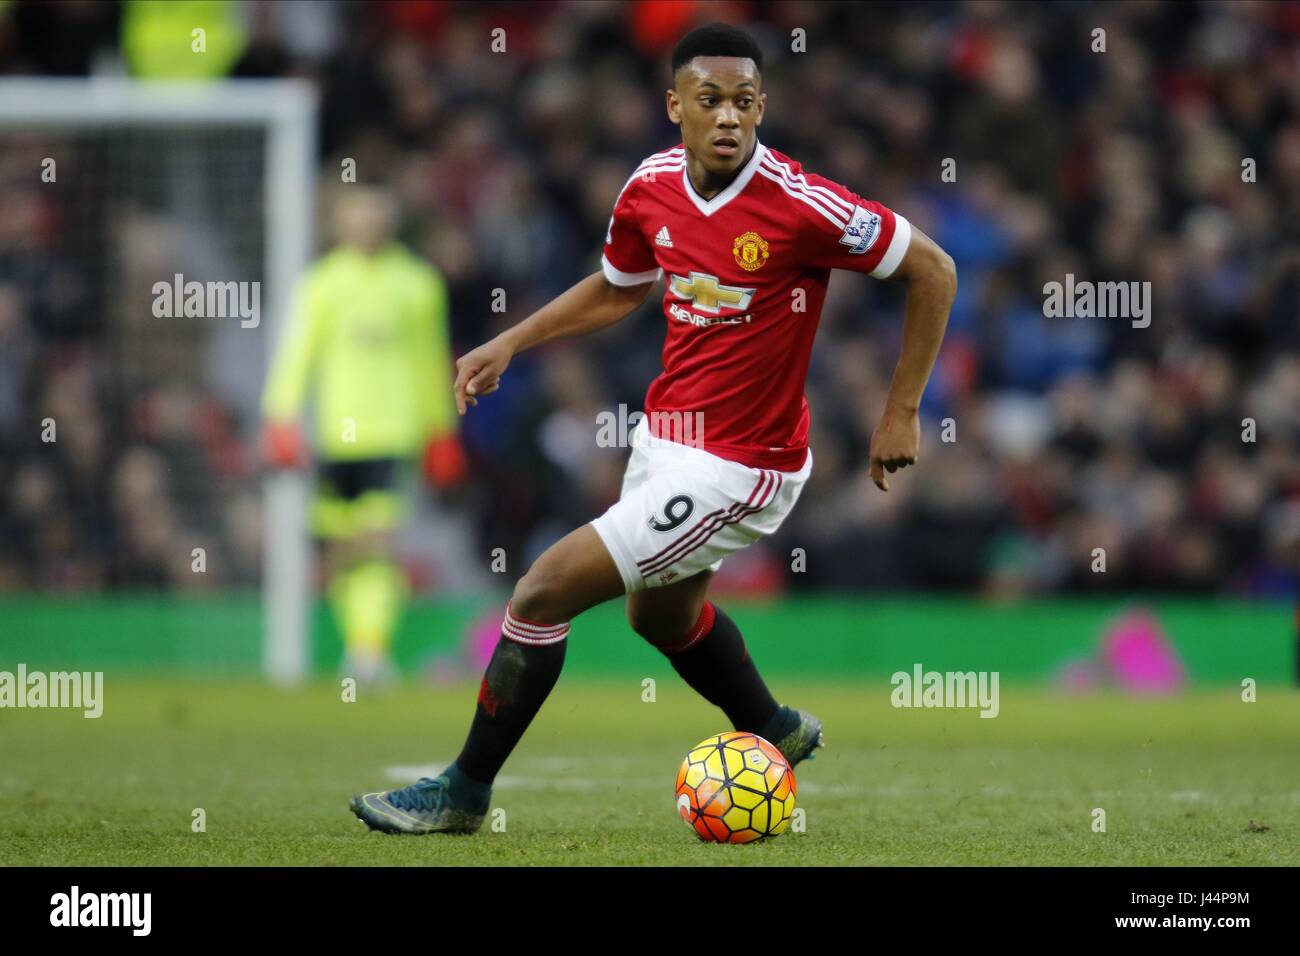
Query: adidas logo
(663, 239)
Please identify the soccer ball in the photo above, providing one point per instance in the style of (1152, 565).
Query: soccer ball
(735, 788)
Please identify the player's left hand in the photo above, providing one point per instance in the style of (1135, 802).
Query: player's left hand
(894, 443)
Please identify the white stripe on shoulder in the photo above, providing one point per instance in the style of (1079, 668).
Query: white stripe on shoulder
(836, 220)
(665, 167)
(799, 179)
(644, 169)
(675, 153)
(671, 157)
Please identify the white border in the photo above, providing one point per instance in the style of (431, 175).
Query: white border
(898, 246)
(616, 276)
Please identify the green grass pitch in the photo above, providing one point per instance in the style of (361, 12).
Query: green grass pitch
(1199, 779)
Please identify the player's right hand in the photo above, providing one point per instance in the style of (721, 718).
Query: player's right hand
(478, 372)
(283, 446)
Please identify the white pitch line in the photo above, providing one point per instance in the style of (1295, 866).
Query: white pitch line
(409, 773)
(559, 779)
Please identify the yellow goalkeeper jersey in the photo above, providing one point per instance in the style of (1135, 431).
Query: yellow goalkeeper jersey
(367, 342)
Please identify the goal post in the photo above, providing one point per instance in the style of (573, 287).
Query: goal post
(267, 127)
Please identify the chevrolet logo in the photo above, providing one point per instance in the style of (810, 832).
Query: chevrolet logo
(708, 296)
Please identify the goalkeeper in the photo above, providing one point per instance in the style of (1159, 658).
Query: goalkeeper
(367, 342)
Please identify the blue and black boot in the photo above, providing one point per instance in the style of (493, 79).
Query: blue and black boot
(796, 733)
(449, 803)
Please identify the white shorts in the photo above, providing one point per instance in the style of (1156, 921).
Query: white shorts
(682, 510)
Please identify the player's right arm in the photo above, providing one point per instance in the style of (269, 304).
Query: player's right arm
(628, 272)
(588, 306)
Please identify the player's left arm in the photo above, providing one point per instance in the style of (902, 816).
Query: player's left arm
(931, 280)
(842, 230)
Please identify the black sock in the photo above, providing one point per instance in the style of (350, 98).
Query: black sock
(714, 661)
(524, 667)
(786, 720)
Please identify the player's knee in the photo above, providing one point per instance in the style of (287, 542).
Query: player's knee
(643, 622)
(539, 597)
(655, 625)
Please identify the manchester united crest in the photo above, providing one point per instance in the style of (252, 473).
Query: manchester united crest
(750, 250)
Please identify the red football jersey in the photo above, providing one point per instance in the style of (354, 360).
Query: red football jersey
(747, 273)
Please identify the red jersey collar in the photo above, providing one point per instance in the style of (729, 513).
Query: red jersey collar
(709, 206)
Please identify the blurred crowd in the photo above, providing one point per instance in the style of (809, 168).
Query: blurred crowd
(1052, 447)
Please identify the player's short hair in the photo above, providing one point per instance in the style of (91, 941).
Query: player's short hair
(716, 39)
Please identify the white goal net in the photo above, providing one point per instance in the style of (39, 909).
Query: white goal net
(135, 195)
